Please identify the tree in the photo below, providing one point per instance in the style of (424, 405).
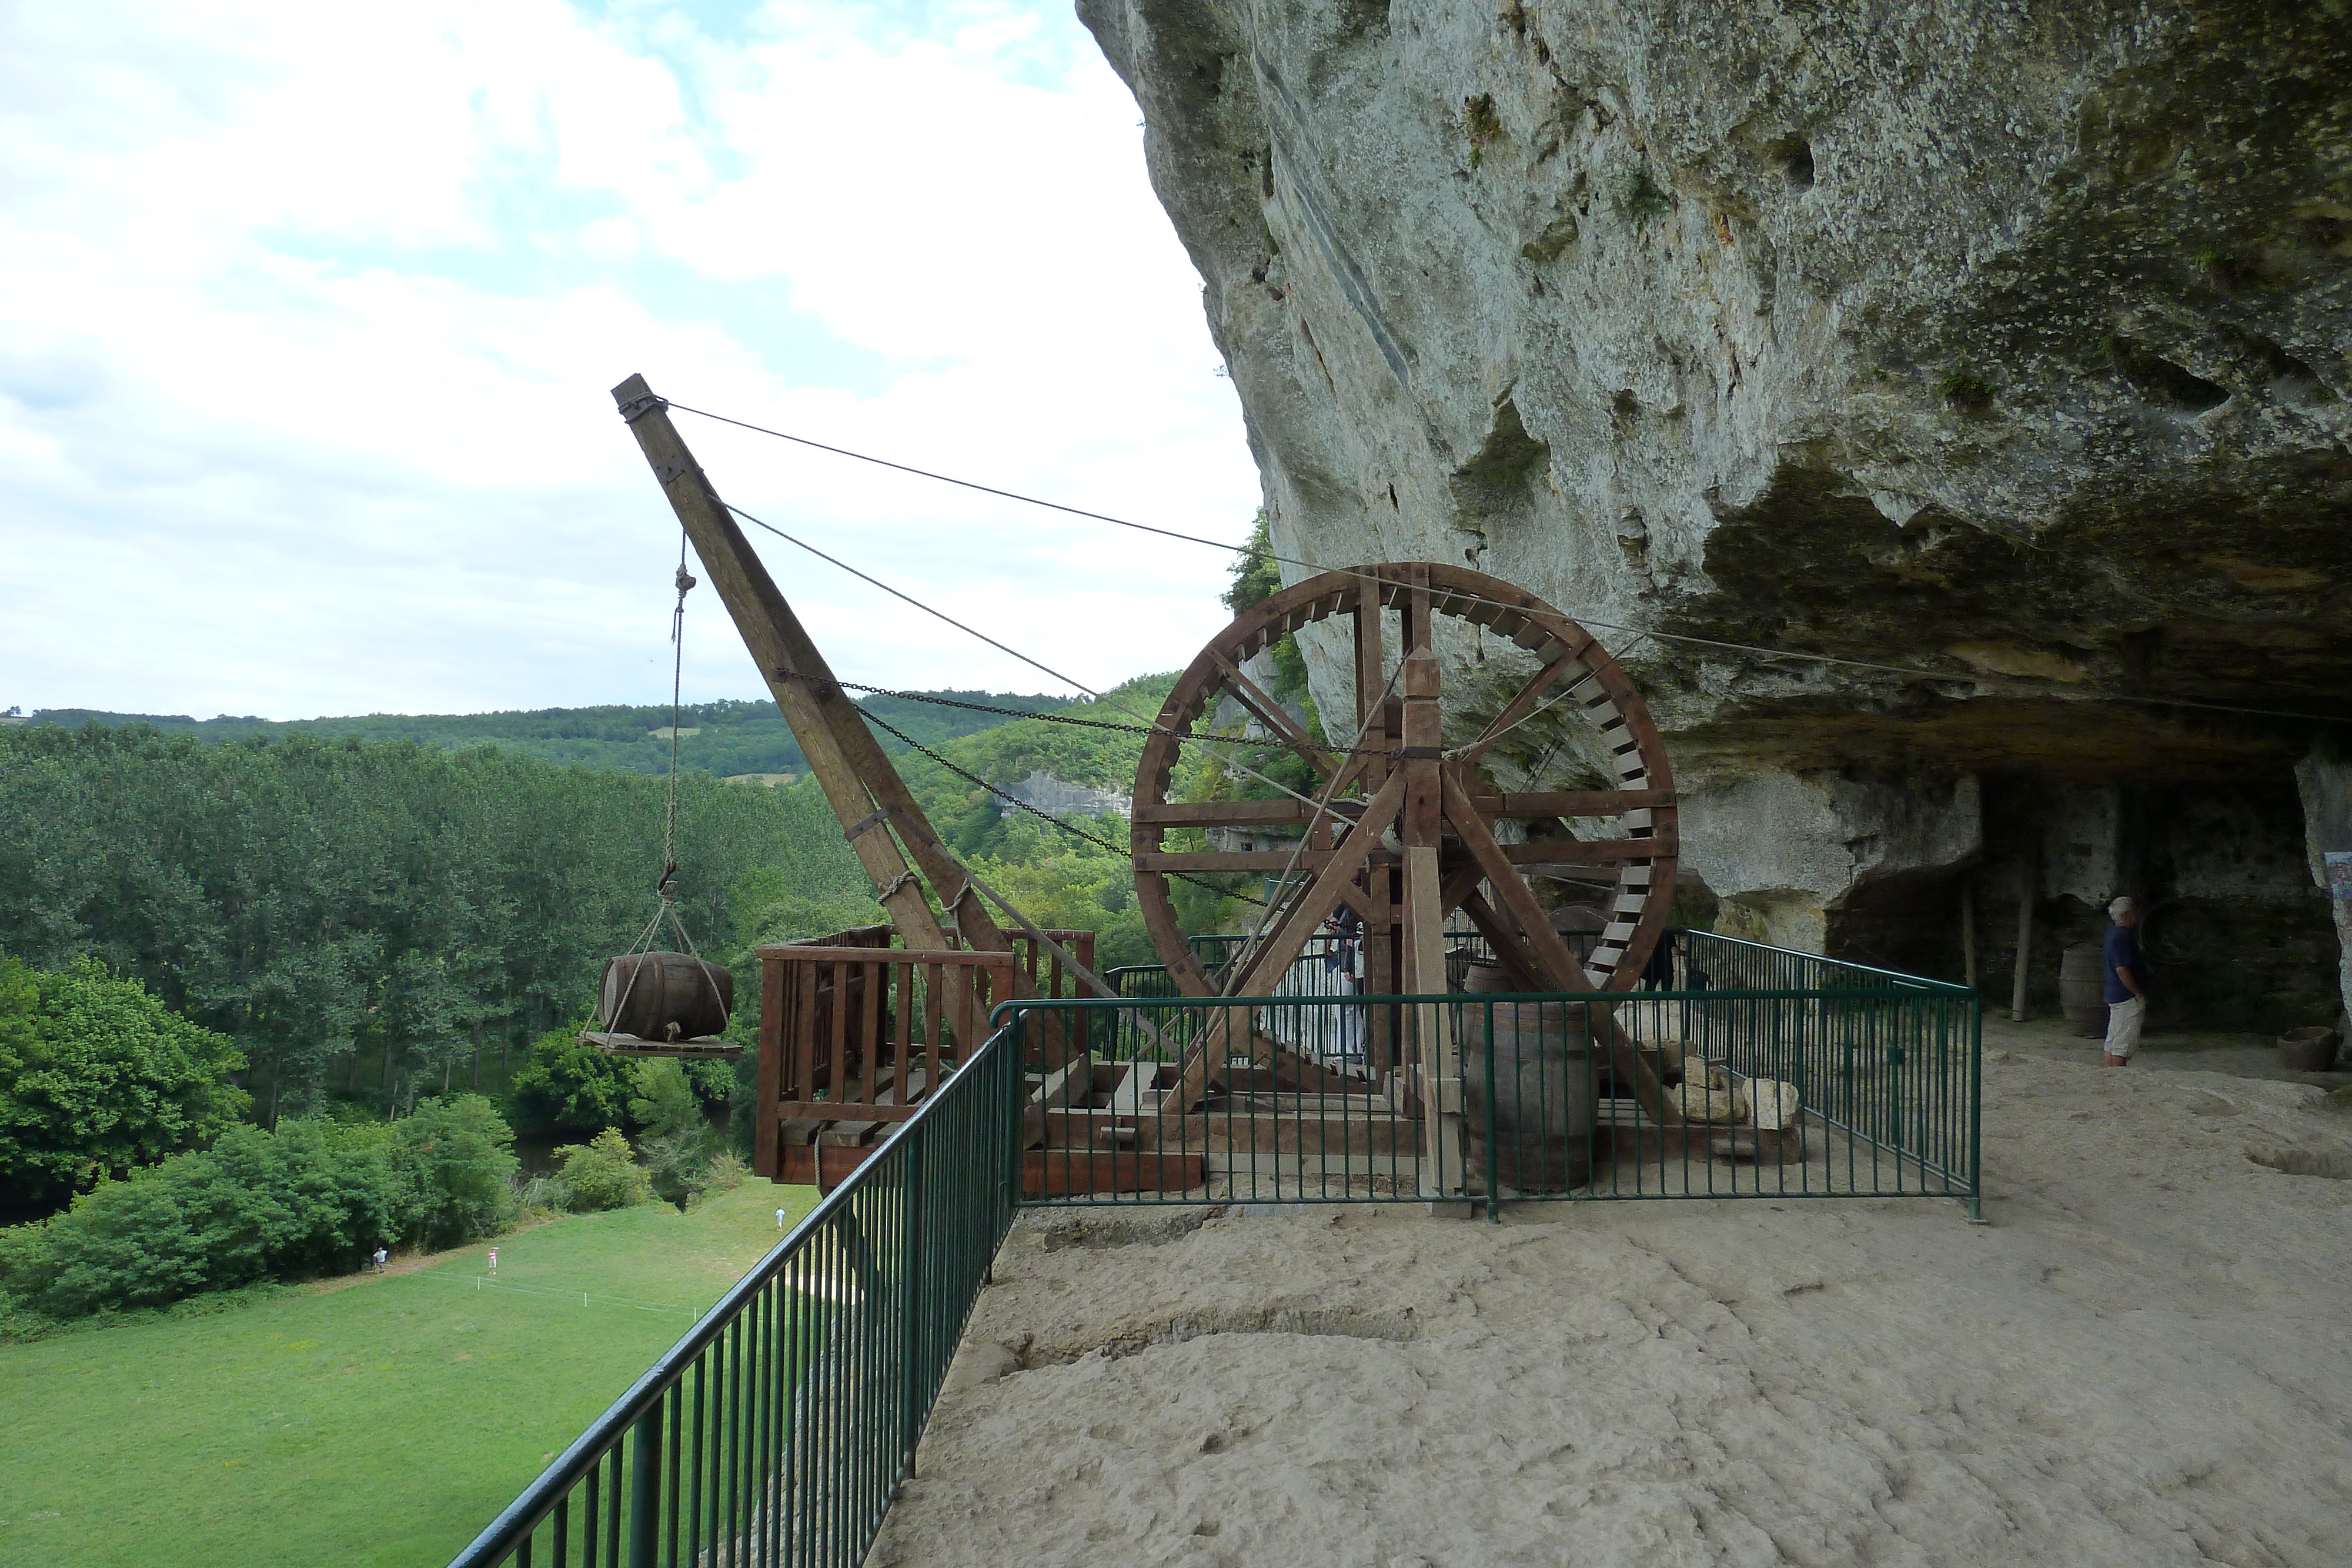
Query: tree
(458, 1153)
(571, 1084)
(1256, 578)
(714, 1082)
(677, 1143)
(602, 1174)
(97, 1077)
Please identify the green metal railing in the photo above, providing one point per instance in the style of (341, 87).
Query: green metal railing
(776, 1431)
(1769, 1074)
(1893, 1060)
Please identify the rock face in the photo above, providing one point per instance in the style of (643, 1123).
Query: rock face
(1056, 796)
(2003, 344)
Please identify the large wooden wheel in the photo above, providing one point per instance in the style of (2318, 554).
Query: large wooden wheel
(1402, 825)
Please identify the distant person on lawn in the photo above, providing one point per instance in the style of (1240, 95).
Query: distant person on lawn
(2126, 992)
(494, 1259)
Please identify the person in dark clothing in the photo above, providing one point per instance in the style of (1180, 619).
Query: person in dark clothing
(1346, 928)
(2127, 989)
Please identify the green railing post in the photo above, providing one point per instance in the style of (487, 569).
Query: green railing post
(911, 1403)
(644, 1490)
(1976, 1107)
(1493, 1092)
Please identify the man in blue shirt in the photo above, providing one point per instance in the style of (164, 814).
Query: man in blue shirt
(2126, 971)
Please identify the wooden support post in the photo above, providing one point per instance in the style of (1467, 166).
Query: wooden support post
(2033, 886)
(795, 672)
(1517, 959)
(1437, 1056)
(1376, 943)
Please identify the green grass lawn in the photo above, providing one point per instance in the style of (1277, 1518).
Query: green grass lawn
(382, 1420)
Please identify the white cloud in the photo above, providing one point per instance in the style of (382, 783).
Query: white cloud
(307, 315)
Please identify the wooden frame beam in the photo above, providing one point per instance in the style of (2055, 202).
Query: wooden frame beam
(1216, 1044)
(1269, 713)
(1555, 963)
(1521, 705)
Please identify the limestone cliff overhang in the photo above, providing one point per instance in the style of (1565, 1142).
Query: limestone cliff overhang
(2002, 343)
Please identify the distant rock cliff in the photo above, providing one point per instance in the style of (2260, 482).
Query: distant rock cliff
(1058, 797)
(2004, 340)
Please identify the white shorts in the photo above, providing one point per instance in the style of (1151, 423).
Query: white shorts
(2122, 1027)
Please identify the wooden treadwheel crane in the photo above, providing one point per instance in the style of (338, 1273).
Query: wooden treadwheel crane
(1401, 830)
(845, 1003)
(886, 829)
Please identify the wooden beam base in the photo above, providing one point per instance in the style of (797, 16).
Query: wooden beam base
(1305, 1135)
(1057, 1173)
(821, 1165)
(702, 1047)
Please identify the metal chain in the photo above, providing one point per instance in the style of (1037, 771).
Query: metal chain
(1015, 802)
(1182, 737)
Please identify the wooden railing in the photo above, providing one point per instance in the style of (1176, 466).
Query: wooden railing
(854, 1034)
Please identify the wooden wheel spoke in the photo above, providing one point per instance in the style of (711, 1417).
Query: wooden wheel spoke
(1461, 882)
(1521, 705)
(1270, 713)
(1226, 813)
(1572, 802)
(1585, 852)
(1553, 959)
(1322, 895)
(1290, 934)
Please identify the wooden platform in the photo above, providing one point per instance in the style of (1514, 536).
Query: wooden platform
(702, 1047)
(1103, 1130)
(1619, 1135)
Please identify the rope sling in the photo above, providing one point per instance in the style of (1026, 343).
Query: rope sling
(718, 985)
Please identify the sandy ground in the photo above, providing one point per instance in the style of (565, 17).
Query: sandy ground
(2143, 1359)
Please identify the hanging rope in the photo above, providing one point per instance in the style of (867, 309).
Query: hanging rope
(1181, 737)
(1110, 702)
(1997, 686)
(665, 885)
(677, 713)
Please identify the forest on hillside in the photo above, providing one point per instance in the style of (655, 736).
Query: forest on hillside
(374, 920)
(729, 738)
(331, 905)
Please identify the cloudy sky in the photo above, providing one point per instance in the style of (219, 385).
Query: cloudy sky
(309, 316)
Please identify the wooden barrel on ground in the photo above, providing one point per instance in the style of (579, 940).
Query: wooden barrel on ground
(666, 995)
(1540, 1098)
(2308, 1050)
(2083, 989)
(1481, 979)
